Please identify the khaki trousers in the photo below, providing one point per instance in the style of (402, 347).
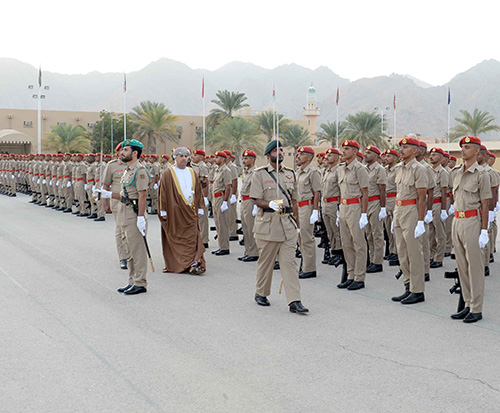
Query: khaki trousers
(138, 259)
(426, 249)
(233, 215)
(247, 223)
(409, 248)
(330, 212)
(284, 251)
(353, 241)
(80, 196)
(388, 225)
(437, 234)
(470, 261)
(221, 223)
(493, 238)
(447, 224)
(93, 205)
(204, 229)
(68, 195)
(306, 239)
(375, 233)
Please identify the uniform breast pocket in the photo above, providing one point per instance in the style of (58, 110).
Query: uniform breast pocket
(352, 180)
(408, 180)
(263, 224)
(472, 187)
(270, 191)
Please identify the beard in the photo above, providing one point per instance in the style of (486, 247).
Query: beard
(273, 159)
(126, 158)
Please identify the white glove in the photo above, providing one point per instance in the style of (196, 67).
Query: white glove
(274, 205)
(57, 183)
(224, 207)
(298, 231)
(201, 211)
(18, 175)
(383, 214)
(33, 179)
(483, 238)
(314, 217)
(68, 185)
(85, 186)
(163, 214)
(363, 221)
(254, 210)
(419, 229)
(141, 225)
(38, 181)
(232, 200)
(491, 216)
(93, 188)
(392, 227)
(13, 177)
(104, 193)
(444, 215)
(337, 220)
(206, 201)
(44, 182)
(497, 207)
(50, 183)
(451, 211)
(155, 186)
(428, 216)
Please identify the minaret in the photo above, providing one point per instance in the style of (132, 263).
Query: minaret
(311, 112)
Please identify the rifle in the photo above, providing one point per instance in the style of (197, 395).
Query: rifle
(324, 237)
(456, 288)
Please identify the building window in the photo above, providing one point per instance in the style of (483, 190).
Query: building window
(61, 123)
(198, 128)
(90, 125)
(179, 128)
(28, 124)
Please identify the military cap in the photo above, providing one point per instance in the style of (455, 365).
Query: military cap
(118, 147)
(199, 152)
(373, 148)
(249, 152)
(79, 154)
(470, 139)
(68, 153)
(437, 150)
(154, 156)
(361, 154)
(422, 144)
(332, 150)
(132, 142)
(222, 154)
(491, 154)
(228, 152)
(271, 146)
(165, 156)
(306, 149)
(352, 144)
(446, 155)
(91, 154)
(391, 152)
(409, 141)
(454, 158)
(320, 154)
(483, 148)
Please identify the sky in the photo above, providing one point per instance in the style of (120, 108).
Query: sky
(430, 40)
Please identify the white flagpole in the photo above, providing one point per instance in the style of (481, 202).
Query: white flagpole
(124, 106)
(203, 99)
(449, 117)
(276, 135)
(395, 116)
(337, 122)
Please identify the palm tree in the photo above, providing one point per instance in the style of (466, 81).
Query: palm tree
(228, 102)
(364, 128)
(265, 123)
(67, 138)
(295, 136)
(235, 134)
(475, 124)
(154, 123)
(329, 132)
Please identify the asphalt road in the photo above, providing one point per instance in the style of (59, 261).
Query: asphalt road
(70, 343)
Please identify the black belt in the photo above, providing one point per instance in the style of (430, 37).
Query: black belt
(284, 210)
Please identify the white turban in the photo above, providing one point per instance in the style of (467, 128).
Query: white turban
(181, 151)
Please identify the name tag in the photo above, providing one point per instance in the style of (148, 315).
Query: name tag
(269, 182)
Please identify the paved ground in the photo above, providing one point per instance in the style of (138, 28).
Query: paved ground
(70, 342)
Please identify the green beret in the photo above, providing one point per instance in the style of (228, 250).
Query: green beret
(132, 142)
(271, 146)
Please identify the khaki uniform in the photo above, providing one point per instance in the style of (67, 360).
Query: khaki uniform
(233, 208)
(449, 220)
(377, 175)
(247, 220)
(78, 173)
(494, 181)
(469, 189)
(308, 182)
(437, 230)
(202, 171)
(134, 179)
(59, 185)
(409, 178)
(493, 226)
(390, 203)
(222, 178)
(275, 234)
(90, 184)
(69, 195)
(330, 192)
(352, 178)
(425, 239)
(112, 176)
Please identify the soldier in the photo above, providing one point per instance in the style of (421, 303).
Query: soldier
(361, 156)
(308, 194)
(320, 159)
(445, 163)
(132, 215)
(98, 172)
(233, 213)
(493, 224)
(330, 204)
(111, 181)
(78, 175)
(201, 170)
(472, 196)
(248, 207)
(353, 183)
(408, 224)
(391, 159)
(437, 230)
(211, 174)
(276, 228)
(221, 191)
(377, 181)
(156, 174)
(90, 185)
(67, 186)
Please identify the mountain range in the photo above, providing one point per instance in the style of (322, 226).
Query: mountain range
(421, 108)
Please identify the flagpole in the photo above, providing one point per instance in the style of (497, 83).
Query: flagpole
(449, 115)
(276, 133)
(395, 117)
(124, 106)
(337, 121)
(203, 99)
(39, 99)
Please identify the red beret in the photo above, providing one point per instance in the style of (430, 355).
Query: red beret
(79, 154)
(454, 158)
(306, 149)
(470, 139)
(199, 152)
(483, 148)
(227, 152)
(422, 144)
(154, 156)
(361, 154)
(373, 148)
(320, 154)
(333, 150)
(249, 152)
(446, 155)
(409, 141)
(437, 150)
(492, 154)
(352, 144)
(91, 154)
(222, 154)
(118, 147)
(392, 152)
(165, 156)
(67, 153)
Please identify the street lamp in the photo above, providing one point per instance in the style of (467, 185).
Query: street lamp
(39, 96)
(382, 116)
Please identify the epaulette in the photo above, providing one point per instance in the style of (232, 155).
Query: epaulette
(113, 160)
(260, 168)
(457, 167)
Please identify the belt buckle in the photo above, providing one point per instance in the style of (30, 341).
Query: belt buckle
(461, 214)
(399, 203)
(344, 201)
